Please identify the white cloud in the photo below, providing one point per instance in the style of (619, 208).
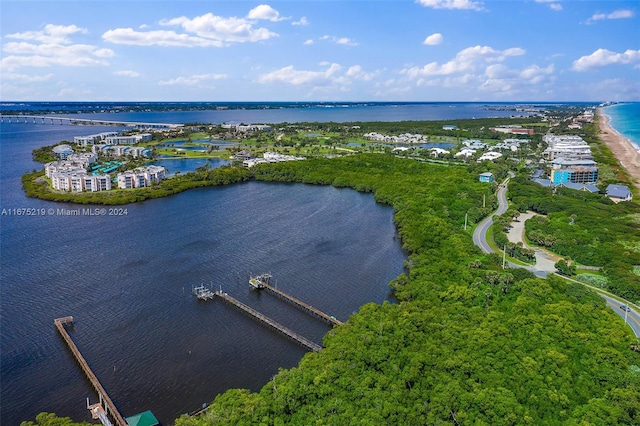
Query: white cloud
(553, 4)
(616, 14)
(164, 38)
(356, 72)
(482, 70)
(308, 42)
(498, 75)
(24, 78)
(266, 12)
(469, 59)
(338, 40)
(127, 73)
(25, 54)
(452, 4)
(329, 79)
(210, 26)
(51, 46)
(207, 30)
(192, 80)
(604, 57)
(433, 39)
(51, 34)
(295, 77)
(303, 21)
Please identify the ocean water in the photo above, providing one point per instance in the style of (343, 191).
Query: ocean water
(625, 119)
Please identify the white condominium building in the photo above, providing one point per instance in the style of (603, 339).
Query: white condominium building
(128, 140)
(569, 147)
(141, 177)
(93, 139)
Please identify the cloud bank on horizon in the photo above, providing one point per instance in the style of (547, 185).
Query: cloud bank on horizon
(423, 50)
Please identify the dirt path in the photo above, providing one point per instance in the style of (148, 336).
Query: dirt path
(545, 260)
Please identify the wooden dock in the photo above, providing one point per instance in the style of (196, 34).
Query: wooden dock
(109, 406)
(271, 323)
(262, 282)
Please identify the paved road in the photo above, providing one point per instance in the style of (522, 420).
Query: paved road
(480, 233)
(632, 317)
(542, 268)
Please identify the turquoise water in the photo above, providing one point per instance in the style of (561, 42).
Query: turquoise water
(625, 119)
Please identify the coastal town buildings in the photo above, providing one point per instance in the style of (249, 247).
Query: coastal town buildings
(93, 139)
(512, 129)
(489, 156)
(247, 127)
(128, 140)
(141, 177)
(436, 152)
(406, 138)
(270, 157)
(62, 151)
(121, 150)
(70, 176)
(574, 171)
(72, 163)
(486, 177)
(569, 147)
(617, 193)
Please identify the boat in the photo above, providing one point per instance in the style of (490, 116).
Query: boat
(259, 281)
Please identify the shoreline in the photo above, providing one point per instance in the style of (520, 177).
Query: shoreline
(622, 148)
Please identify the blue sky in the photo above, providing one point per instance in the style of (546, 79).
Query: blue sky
(358, 50)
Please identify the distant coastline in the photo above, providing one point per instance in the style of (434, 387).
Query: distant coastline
(624, 118)
(627, 153)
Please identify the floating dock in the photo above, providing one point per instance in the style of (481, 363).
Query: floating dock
(271, 323)
(263, 282)
(203, 293)
(109, 406)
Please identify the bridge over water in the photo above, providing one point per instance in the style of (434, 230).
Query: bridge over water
(52, 119)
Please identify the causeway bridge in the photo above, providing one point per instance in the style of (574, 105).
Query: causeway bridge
(97, 410)
(53, 119)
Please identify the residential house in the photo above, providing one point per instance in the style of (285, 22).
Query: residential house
(619, 193)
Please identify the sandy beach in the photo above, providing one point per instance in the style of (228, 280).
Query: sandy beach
(626, 153)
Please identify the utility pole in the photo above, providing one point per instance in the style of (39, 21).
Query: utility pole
(504, 256)
(465, 221)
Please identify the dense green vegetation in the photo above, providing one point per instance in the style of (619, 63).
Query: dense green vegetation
(44, 154)
(467, 342)
(586, 228)
(50, 419)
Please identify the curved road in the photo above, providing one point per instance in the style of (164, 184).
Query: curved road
(631, 317)
(480, 233)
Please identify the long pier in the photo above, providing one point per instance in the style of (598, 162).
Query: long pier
(262, 282)
(110, 407)
(271, 323)
(52, 119)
